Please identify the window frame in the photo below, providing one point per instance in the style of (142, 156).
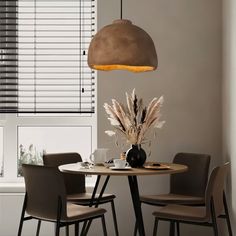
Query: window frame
(11, 122)
(11, 143)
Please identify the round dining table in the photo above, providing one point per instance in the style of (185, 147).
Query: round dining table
(131, 173)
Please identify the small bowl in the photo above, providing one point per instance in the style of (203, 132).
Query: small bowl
(109, 163)
(85, 164)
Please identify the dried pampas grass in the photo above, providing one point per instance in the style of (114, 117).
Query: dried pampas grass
(134, 120)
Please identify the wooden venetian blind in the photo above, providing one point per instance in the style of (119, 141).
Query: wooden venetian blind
(43, 56)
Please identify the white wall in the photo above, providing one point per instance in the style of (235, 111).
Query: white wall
(229, 97)
(187, 35)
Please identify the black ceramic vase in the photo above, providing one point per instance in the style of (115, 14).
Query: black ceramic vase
(136, 156)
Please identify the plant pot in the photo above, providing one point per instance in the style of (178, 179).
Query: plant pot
(136, 156)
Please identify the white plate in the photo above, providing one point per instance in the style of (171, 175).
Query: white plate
(117, 168)
(157, 167)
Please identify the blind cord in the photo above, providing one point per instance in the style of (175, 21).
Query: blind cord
(121, 10)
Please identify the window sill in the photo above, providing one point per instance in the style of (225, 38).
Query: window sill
(12, 188)
(20, 188)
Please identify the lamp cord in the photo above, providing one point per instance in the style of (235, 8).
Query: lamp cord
(121, 6)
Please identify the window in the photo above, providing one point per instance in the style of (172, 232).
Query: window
(44, 56)
(45, 81)
(34, 141)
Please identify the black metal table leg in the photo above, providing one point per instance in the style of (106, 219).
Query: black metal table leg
(102, 190)
(133, 184)
(85, 225)
(93, 202)
(95, 190)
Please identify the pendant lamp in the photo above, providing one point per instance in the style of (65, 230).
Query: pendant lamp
(122, 46)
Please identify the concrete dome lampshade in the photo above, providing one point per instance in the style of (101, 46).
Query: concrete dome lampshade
(122, 46)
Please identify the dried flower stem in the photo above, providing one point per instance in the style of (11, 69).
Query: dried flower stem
(133, 120)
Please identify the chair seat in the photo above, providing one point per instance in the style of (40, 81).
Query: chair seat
(84, 198)
(75, 212)
(165, 199)
(181, 212)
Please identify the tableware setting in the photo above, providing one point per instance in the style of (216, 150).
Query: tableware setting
(99, 156)
(85, 165)
(120, 164)
(119, 168)
(156, 166)
(109, 163)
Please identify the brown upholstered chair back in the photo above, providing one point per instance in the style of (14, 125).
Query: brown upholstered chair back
(192, 182)
(44, 185)
(74, 183)
(215, 188)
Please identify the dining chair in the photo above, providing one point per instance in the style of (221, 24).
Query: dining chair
(45, 199)
(187, 188)
(75, 184)
(205, 215)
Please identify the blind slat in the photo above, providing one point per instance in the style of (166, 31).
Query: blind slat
(43, 50)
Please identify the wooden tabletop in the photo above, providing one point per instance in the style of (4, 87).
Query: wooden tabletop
(75, 168)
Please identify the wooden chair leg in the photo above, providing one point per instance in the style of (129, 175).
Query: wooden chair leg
(104, 225)
(38, 227)
(67, 230)
(172, 228)
(177, 227)
(155, 226)
(77, 229)
(59, 208)
(215, 228)
(114, 217)
(22, 216)
(227, 215)
(135, 228)
(57, 232)
(214, 220)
